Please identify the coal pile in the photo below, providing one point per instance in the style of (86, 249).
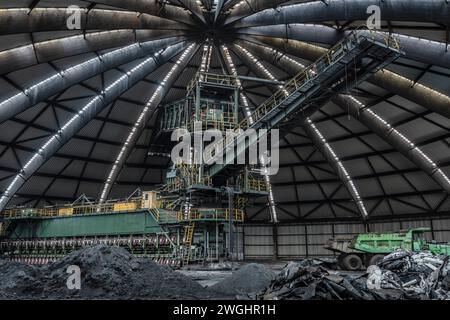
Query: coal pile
(106, 273)
(400, 275)
(247, 281)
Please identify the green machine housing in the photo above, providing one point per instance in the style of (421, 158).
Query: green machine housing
(369, 248)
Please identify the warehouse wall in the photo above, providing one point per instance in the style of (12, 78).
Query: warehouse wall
(307, 240)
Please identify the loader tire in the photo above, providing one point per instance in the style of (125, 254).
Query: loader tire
(352, 262)
(375, 259)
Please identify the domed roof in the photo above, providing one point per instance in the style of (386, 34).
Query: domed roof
(74, 102)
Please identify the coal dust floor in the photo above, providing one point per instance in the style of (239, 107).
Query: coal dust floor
(103, 272)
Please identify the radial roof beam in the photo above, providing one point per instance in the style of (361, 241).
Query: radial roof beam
(392, 136)
(193, 7)
(13, 21)
(45, 51)
(131, 76)
(416, 92)
(245, 8)
(60, 80)
(419, 49)
(146, 114)
(437, 11)
(231, 68)
(153, 7)
(367, 117)
(315, 135)
(333, 160)
(219, 7)
(404, 87)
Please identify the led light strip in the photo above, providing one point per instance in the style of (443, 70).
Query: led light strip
(416, 84)
(140, 121)
(405, 139)
(85, 110)
(42, 83)
(262, 68)
(362, 106)
(250, 119)
(353, 190)
(206, 58)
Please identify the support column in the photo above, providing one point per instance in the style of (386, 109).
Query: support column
(275, 240)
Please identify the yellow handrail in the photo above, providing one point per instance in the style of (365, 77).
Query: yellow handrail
(211, 214)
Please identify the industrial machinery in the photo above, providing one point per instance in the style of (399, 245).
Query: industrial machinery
(369, 248)
(139, 223)
(191, 217)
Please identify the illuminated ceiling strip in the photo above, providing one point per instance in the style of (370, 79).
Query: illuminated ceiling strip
(47, 149)
(406, 141)
(250, 119)
(404, 138)
(72, 75)
(124, 152)
(353, 190)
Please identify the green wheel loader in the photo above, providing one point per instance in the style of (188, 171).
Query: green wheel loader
(367, 249)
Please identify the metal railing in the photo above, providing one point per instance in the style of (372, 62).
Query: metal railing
(313, 70)
(205, 77)
(226, 120)
(307, 75)
(220, 214)
(64, 211)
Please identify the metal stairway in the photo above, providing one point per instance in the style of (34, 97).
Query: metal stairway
(350, 62)
(4, 225)
(187, 242)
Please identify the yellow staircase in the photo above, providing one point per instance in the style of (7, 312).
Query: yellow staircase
(187, 242)
(4, 227)
(241, 202)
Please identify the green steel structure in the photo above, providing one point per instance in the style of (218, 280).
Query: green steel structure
(191, 218)
(368, 248)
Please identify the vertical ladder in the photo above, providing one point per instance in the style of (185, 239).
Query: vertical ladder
(187, 242)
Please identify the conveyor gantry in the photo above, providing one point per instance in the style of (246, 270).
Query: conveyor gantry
(345, 65)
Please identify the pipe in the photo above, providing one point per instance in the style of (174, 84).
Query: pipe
(249, 7)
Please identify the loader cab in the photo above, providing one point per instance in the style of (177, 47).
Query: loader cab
(149, 200)
(418, 238)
